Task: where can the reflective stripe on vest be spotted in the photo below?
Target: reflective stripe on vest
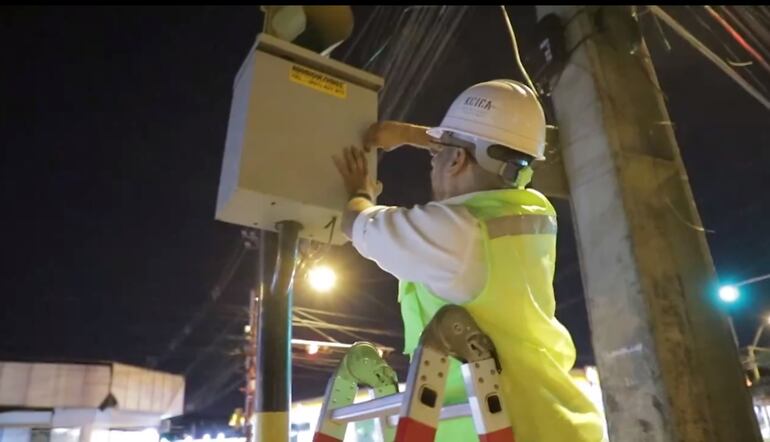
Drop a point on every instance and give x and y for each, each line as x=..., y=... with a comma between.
x=521, y=225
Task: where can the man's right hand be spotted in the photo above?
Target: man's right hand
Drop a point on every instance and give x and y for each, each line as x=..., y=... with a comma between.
x=389, y=135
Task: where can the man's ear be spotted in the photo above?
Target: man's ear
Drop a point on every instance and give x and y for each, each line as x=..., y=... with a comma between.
x=459, y=161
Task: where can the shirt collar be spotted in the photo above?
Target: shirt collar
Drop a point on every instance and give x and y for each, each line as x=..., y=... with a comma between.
x=459, y=199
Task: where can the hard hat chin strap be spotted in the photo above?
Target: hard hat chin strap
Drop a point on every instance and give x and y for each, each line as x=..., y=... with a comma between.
x=516, y=174
x=486, y=162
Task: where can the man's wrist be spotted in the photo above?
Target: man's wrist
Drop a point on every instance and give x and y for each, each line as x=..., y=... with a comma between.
x=362, y=194
x=357, y=203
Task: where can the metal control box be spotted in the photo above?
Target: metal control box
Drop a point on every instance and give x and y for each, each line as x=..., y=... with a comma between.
x=292, y=109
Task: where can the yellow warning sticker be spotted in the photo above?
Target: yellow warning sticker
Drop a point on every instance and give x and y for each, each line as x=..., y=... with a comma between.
x=318, y=81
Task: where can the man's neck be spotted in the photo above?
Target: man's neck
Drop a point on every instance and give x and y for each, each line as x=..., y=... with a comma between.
x=468, y=190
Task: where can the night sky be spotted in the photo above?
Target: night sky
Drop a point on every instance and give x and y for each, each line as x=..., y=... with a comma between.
x=112, y=127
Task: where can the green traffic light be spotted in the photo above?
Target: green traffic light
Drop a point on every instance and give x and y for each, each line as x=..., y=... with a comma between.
x=729, y=294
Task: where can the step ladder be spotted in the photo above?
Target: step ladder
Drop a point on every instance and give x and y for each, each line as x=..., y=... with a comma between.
x=452, y=333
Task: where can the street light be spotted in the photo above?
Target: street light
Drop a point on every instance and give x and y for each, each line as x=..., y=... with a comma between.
x=321, y=278
x=729, y=294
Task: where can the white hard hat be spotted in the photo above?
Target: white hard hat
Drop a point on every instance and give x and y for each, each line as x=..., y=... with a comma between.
x=503, y=112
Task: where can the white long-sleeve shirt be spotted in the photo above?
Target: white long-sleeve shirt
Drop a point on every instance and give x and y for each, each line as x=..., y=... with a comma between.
x=438, y=244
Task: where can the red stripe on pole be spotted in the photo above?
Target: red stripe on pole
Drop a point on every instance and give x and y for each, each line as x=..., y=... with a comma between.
x=320, y=437
x=410, y=430
x=504, y=435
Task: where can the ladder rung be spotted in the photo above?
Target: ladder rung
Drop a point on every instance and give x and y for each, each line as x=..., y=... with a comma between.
x=455, y=411
x=383, y=406
x=388, y=406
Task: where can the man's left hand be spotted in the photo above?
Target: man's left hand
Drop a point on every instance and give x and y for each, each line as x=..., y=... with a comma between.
x=354, y=169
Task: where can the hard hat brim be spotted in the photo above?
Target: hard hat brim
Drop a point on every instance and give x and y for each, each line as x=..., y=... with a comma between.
x=437, y=132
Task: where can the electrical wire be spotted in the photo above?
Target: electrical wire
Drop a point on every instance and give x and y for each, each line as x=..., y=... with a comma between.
x=390, y=37
x=730, y=52
x=222, y=335
x=305, y=322
x=224, y=372
x=428, y=41
x=299, y=322
x=402, y=59
x=737, y=37
x=754, y=280
x=721, y=64
x=316, y=329
x=397, y=52
x=756, y=23
x=413, y=49
x=333, y=314
x=516, y=50
x=387, y=23
x=662, y=34
x=360, y=34
x=227, y=274
x=448, y=34
x=569, y=54
x=739, y=22
x=735, y=61
x=764, y=12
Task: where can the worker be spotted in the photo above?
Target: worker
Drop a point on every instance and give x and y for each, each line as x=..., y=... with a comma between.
x=486, y=243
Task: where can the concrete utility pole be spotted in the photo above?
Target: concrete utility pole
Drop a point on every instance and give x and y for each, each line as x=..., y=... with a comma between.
x=668, y=367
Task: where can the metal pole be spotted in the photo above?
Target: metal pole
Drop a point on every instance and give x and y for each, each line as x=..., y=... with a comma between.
x=251, y=364
x=753, y=351
x=758, y=335
x=732, y=330
x=273, y=393
x=754, y=366
x=752, y=280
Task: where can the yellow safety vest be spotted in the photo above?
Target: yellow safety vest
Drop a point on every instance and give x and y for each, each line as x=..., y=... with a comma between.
x=516, y=309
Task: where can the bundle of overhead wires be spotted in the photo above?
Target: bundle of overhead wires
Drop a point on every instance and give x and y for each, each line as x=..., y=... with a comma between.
x=403, y=45
x=743, y=32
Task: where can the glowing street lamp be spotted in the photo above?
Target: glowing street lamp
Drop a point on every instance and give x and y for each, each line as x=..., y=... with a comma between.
x=729, y=294
x=321, y=278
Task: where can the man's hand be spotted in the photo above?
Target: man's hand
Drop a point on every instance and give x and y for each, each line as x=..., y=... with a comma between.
x=354, y=169
x=389, y=135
